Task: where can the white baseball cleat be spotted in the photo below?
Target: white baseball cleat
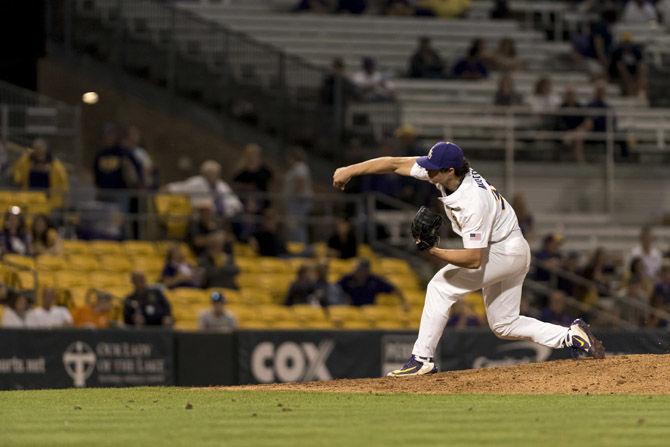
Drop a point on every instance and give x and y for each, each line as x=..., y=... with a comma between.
x=415, y=366
x=580, y=338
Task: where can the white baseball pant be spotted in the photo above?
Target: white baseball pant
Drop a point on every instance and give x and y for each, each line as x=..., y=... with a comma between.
x=501, y=276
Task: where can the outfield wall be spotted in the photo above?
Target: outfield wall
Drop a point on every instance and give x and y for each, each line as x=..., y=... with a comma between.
x=33, y=359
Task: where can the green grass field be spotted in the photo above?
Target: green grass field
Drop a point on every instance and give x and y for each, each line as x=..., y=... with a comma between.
x=173, y=416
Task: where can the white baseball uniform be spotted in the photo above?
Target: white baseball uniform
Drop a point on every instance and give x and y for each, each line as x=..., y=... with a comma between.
x=482, y=217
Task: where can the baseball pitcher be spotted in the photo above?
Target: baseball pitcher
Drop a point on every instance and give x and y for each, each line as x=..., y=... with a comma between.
x=495, y=256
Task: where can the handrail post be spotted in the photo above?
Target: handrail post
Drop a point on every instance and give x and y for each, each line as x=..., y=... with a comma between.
x=609, y=163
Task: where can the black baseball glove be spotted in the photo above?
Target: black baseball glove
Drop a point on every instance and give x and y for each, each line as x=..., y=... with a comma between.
x=426, y=228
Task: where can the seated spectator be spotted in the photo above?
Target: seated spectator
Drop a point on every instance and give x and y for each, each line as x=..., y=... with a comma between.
x=337, y=82
x=442, y=8
x=637, y=286
x=48, y=315
x=96, y=315
x=343, y=243
x=594, y=48
x=590, y=123
x=253, y=177
x=426, y=63
x=648, y=253
x=371, y=84
x=178, y=272
x=208, y=185
x=219, y=266
x=115, y=166
x=362, y=286
x=594, y=270
x=146, y=306
x=523, y=214
x=351, y=6
x=461, y=316
x=268, y=240
x=500, y=10
x=473, y=66
x=302, y=289
x=217, y=318
x=639, y=11
x=149, y=173
x=543, y=99
x=566, y=285
x=317, y=6
x=326, y=292
x=660, y=297
x=550, y=256
x=505, y=57
x=16, y=310
x=45, y=238
x=555, y=312
x=203, y=223
x=506, y=94
x=569, y=119
x=627, y=67
x=15, y=236
x=37, y=168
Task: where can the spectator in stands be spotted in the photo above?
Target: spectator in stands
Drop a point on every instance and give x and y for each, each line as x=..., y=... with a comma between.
x=253, y=177
x=506, y=94
x=351, y=6
x=663, y=10
x=146, y=306
x=549, y=256
x=569, y=119
x=15, y=235
x=16, y=310
x=462, y=315
x=317, y=6
x=149, y=173
x=594, y=48
x=301, y=290
x=500, y=10
x=45, y=238
x=595, y=269
x=523, y=215
x=219, y=266
x=407, y=141
x=555, y=312
x=638, y=286
x=203, y=223
x=566, y=285
x=37, y=168
x=505, y=57
x=371, y=84
x=297, y=193
x=326, y=292
x=649, y=254
x=661, y=294
x=362, y=286
x=591, y=122
x=268, y=240
x=217, y=318
x=399, y=8
x=337, y=82
x=96, y=315
x=426, y=63
x=209, y=185
x=627, y=67
x=48, y=315
x=115, y=167
x=178, y=272
x=442, y=8
x=543, y=99
x=639, y=11
x=343, y=243
x=473, y=66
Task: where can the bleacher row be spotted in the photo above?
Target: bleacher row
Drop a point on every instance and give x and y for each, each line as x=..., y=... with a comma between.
x=106, y=266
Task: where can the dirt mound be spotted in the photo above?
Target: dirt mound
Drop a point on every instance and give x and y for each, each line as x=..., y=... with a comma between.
x=627, y=374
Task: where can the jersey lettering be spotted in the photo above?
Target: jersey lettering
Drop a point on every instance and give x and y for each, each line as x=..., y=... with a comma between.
x=478, y=179
x=498, y=196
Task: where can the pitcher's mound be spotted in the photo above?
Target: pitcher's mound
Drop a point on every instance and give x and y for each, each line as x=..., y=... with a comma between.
x=640, y=374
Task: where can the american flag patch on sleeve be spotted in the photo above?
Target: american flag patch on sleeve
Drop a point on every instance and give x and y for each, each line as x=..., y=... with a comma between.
x=475, y=237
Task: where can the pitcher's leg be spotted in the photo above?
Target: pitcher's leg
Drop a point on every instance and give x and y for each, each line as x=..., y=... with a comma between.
x=502, y=302
x=440, y=296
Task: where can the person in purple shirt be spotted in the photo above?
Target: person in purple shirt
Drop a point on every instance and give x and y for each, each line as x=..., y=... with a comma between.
x=473, y=66
x=555, y=311
x=362, y=286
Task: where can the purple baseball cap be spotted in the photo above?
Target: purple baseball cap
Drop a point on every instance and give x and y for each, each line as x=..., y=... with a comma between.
x=442, y=155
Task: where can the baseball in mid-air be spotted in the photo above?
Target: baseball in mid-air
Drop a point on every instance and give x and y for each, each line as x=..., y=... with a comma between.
x=90, y=98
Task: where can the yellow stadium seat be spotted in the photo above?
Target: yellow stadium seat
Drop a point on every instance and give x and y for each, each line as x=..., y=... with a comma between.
x=109, y=248
x=243, y=251
x=341, y=316
x=254, y=324
x=186, y=325
x=242, y=312
x=120, y=292
x=174, y=211
x=354, y=324
x=274, y=265
x=115, y=263
x=19, y=260
x=342, y=266
x=76, y=247
x=392, y=324
x=394, y=266
x=101, y=279
x=140, y=248
x=25, y=279
x=274, y=313
x=51, y=262
x=295, y=248
x=325, y=324
x=46, y=278
x=187, y=295
x=2, y=309
x=415, y=298
x=83, y=262
x=365, y=251
x=68, y=279
x=307, y=313
x=379, y=313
